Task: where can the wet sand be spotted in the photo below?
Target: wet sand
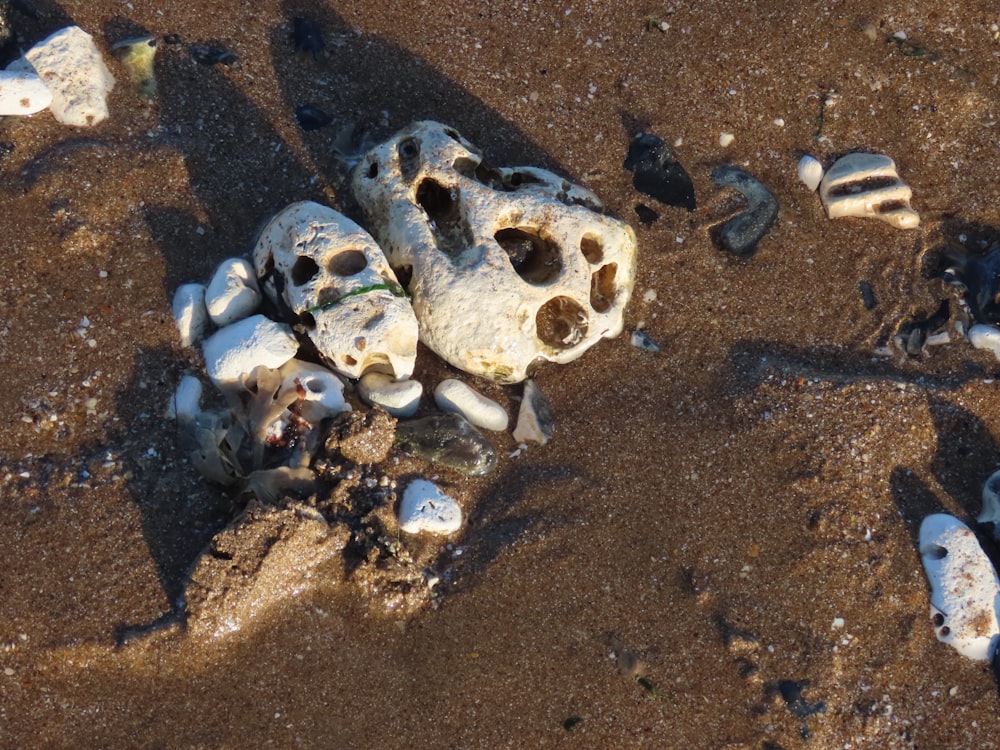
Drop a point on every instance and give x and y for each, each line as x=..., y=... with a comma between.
x=668, y=570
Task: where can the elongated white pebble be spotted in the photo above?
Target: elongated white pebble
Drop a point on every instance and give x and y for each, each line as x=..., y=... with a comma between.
x=983, y=336
x=190, y=315
x=400, y=398
x=22, y=93
x=185, y=405
x=810, y=172
x=232, y=294
x=455, y=396
x=424, y=507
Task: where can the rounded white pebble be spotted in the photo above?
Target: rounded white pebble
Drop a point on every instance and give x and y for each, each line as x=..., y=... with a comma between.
x=185, y=406
x=22, y=92
x=398, y=397
x=189, y=312
x=984, y=336
x=232, y=353
x=455, y=396
x=810, y=172
x=725, y=139
x=424, y=507
x=232, y=294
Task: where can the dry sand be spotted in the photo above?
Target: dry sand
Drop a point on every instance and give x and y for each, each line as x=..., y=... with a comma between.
x=680, y=551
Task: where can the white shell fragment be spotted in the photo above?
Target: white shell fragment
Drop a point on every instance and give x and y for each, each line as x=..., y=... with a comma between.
x=990, y=512
x=455, y=396
x=73, y=69
x=22, y=92
x=867, y=185
x=233, y=352
x=534, y=419
x=190, y=314
x=983, y=336
x=424, y=507
x=509, y=266
x=321, y=391
x=185, y=405
x=232, y=293
x=810, y=172
x=337, y=281
x=964, y=587
x=400, y=398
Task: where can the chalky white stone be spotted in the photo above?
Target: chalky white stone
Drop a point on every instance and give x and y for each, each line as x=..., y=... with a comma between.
x=321, y=391
x=185, y=405
x=232, y=353
x=190, y=314
x=71, y=66
x=509, y=266
x=337, y=281
x=867, y=185
x=22, y=92
x=232, y=293
x=964, y=587
x=984, y=336
x=455, y=396
x=810, y=172
x=401, y=398
x=425, y=507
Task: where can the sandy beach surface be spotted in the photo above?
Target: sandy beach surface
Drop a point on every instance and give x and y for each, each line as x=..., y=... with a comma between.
x=717, y=547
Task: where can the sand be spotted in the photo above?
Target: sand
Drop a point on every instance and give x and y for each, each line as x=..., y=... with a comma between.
x=716, y=549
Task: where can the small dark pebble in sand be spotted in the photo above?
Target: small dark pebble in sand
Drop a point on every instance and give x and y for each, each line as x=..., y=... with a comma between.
x=646, y=215
x=311, y=118
x=741, y=233
x=307, y=37
x=449, y=440
x=656, y=173
x=212, y=54
x=867, y=295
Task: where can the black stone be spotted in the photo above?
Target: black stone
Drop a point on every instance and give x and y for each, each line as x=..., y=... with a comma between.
x=741, y=233
x=656, y=173
x=311, y=118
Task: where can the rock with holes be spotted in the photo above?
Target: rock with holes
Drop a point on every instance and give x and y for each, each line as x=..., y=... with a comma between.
x=868, y=185
x=964, y=588
x=509, y=266
x=328, y=274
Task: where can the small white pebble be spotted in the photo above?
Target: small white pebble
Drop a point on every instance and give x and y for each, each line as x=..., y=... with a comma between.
x=725, y=139
x=779, y=122
x=455, y=396
x=838, y=623
x=810, y=172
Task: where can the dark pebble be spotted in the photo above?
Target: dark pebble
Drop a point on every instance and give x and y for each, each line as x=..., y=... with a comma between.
x=867, y=295
x=213, y=54
x=741, y=233
x=450, y=440
x=646, y=215
x=311, y=118
x=656, y=173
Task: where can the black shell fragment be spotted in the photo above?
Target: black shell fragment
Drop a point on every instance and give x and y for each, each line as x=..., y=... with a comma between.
x=311, y=118
x=656, y=173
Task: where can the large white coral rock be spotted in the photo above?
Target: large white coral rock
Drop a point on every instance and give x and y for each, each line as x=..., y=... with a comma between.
x=509, y=266
x=331, y=274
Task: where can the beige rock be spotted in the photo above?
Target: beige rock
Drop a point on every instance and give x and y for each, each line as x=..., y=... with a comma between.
x=867, y=185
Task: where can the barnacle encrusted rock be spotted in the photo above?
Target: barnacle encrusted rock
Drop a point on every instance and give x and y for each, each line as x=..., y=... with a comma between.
x=867, y=185
x=509, y=266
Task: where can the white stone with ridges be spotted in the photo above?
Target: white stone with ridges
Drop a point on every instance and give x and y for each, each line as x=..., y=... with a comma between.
x=425, y=507
x=232, y=293
x=232, y=353
x=400, y=398
x=190, y=314
x=455, y=396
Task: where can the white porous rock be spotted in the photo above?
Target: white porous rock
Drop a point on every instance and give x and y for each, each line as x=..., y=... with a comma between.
x=22, y=92
x=185, y=404
x=73, y=69
x=321, y=391
x=400, y=398
x=964, y=587
x=455, y=396
x=867, y=185
x=190, y=314
x=509, y=266
x=232, y=293
x=990, y=512
x=334, y=277
x=425, y=507
x=984, y=336
x=232, y=353
x=810, y=172
x=534, y=418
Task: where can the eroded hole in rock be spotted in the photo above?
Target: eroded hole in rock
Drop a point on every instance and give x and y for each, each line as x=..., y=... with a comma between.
x=304, y=270
x=592, y=248
x=602, y=287
x=347, y=263
x=935, y=552
x=404, y=275
x=408, y=151
x=889, y=206
x=307, y=320
x=561, y=323
x=442, y=207
x=865, y=185
x=938, y=619
x=372, y=172
x=348, y=360
x=479, y=171
x=536, y=259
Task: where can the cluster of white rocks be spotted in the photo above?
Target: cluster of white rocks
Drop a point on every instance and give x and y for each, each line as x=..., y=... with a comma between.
x=507, y=268
x=64, y=73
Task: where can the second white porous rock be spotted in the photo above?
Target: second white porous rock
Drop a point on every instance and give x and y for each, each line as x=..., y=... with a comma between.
x=72, y=67
x=867, y=185
x=425, y=507
x=333, y=276
x=964, y=587
x=22, y=92
x=510, y=266
x=232, y=293
x=233, y=352
x=455, y=396
x=320, y=390
x=401, y=398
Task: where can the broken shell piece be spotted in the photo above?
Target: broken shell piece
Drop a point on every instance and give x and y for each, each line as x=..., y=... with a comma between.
x=320, y=390
x=424, y=507
x=964, y=587
x=868, y=185
x=810, y=172
x=190, y=314
x=332, y=276
x=534, y=419
x=455, y=396
x=137, y=55
x=22, y=93
x=233, y=352
x=232, y=293
x=400, y=398
x=991, y=503
x=509, y=266
x=73, y=69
